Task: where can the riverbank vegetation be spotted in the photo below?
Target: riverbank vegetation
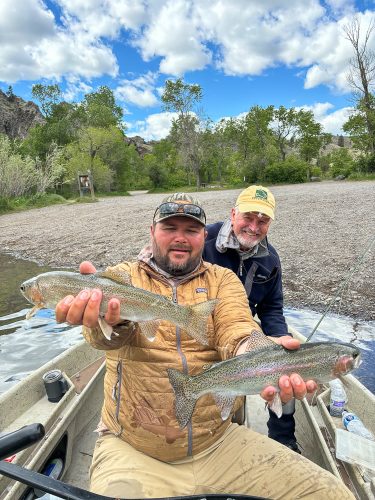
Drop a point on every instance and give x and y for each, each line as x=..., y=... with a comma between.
x=266, y=145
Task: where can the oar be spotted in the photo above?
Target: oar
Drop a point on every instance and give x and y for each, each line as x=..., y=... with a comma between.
x=16, y=441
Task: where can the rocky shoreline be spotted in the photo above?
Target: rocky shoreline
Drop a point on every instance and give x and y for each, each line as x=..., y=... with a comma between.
x=320, y=231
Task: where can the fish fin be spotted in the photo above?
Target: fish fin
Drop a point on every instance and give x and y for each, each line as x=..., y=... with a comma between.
x=258, y=340
x=105, y=327
x=149, y=329
x=225, y=403
x=197, y=322
x=184, y=399
x=276, y=405
x=34, y=310
x=116, y=275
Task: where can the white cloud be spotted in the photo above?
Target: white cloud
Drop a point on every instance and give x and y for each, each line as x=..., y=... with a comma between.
x=154, y=127
x=332, y=121
x=330, y=59
x=34, y=46
x=238, y=37
x=75, y=88
x=140, y=91
x=175, y=35
x=72, y=55
x=253, y=36
x=105, y=18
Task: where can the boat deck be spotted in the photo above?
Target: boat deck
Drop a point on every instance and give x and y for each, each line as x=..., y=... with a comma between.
x=70, y=423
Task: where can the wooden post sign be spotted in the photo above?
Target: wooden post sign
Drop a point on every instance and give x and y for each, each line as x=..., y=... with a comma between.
x=85, y=184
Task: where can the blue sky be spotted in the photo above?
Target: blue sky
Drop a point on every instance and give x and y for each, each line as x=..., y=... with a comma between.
x=242, y=53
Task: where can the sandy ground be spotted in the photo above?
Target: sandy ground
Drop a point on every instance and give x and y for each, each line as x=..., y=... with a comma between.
x=320, y=231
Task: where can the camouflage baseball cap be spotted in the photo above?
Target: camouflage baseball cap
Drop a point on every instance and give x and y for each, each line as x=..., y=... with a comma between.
x=180, y=204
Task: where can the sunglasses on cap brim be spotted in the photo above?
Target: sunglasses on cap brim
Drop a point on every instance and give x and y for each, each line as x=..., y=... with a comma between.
x=170, y=208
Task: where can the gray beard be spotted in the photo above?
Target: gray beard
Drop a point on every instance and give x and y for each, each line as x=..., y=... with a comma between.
x=245, y=244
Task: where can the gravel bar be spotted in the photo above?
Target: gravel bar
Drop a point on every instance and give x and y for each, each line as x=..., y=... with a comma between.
x=321, y=230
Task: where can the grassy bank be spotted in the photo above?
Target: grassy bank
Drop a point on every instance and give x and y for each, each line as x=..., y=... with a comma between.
x=27, y=202
x=38, y=201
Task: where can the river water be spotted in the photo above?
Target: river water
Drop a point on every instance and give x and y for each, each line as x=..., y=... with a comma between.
x=25, y=345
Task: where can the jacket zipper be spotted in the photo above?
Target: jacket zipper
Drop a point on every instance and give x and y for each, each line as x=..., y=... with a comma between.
x=239, y=272
x=116, y=394
x=185, y=370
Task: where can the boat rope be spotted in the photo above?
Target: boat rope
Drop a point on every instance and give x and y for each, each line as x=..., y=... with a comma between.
x=343, y=285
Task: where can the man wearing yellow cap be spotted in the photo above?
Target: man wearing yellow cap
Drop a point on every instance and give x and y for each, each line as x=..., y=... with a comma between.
x=240, y=244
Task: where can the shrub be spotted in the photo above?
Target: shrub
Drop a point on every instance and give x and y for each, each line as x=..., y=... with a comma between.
x=315, y=172
x=292, y=170
x=5, y=205
x=365, y=164
x=17, y=175
x=341, y=163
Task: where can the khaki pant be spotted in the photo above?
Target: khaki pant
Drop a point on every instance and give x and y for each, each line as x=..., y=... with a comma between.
x=242, y=462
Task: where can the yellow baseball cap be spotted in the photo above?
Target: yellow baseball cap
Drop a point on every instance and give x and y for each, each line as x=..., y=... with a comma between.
x=257, y=199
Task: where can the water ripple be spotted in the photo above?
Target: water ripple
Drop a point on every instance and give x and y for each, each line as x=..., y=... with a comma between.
x=26, y=345
x=32, y=343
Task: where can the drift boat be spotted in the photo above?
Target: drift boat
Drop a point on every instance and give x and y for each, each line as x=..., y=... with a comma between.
x=70, y=423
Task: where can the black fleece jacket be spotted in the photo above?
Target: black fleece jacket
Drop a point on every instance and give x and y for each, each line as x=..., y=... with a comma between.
x=261, y=277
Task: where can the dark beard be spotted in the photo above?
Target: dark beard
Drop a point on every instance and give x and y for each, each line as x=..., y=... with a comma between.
x=166, y=265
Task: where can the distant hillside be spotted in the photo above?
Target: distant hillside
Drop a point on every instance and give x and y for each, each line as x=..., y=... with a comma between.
x=17, y=116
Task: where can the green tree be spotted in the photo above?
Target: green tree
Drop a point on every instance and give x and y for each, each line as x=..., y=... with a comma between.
x=100, y=109
x=138, y=178
x=48, y=96
x=222, y=147
x=357, y=126
x=256, y=141
x=361, y=76
x=79, y=161
x=117, y=155
x=96, y=141
x=104, y=153
x=341, y=162
x=182, y=98
x=310, y=137
x=165, y=161
x=60, y=128
x=284, y=126
x=10, y=94
x=157, y=172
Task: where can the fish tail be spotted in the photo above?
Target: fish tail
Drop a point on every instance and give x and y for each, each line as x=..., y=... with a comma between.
x=184, y=403
x=197, y=322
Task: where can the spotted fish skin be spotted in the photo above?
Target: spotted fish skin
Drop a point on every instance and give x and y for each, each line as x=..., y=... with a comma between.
x=138, y=305
x=251, y=372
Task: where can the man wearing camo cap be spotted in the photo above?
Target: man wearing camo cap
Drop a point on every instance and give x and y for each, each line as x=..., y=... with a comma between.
x=141, y=451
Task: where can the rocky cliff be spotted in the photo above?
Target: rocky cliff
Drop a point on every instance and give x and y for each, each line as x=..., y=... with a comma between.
x=17, y=116
x=141, y=146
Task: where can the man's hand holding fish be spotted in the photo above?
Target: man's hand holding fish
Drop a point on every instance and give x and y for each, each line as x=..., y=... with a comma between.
x=84, y=309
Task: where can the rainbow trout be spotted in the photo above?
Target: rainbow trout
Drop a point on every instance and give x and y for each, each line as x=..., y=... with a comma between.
x=138, y=305
x=251, y=372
